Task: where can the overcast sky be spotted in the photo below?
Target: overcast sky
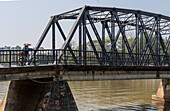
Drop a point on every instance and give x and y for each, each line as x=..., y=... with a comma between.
x=24, y=20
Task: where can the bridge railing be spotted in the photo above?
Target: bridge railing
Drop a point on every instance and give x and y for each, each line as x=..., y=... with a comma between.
x=12, y=58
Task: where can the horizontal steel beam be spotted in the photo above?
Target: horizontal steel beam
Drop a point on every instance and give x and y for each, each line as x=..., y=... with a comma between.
x=126, y=11
x=78, y=72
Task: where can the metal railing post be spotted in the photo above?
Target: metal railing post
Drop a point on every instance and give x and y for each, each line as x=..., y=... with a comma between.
x=9, y=58
x=56, y=57
x=34, y=57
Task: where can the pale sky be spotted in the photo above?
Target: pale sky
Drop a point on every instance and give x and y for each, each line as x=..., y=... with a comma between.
x=24, y=20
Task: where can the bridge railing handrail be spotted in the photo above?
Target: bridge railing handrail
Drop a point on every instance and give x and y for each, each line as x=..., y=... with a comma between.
x=69, y=50
x=11, y=58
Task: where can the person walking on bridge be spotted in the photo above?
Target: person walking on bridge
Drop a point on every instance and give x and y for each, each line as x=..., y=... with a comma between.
x=26, y=50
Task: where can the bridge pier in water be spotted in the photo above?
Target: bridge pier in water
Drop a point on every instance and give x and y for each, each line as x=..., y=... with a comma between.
x=28, y=95
x=163, y=92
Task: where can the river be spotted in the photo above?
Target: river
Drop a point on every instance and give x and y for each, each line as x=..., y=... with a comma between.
x=115, y=95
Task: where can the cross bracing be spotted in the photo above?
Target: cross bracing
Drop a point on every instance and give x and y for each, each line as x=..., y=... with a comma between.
x=151, y=33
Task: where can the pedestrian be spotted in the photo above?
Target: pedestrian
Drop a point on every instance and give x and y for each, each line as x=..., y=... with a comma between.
x=26, y=50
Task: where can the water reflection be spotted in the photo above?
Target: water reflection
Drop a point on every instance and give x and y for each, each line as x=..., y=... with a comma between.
x=162, y=106
x=114, y=95
x=147, y=107
x=3, y=88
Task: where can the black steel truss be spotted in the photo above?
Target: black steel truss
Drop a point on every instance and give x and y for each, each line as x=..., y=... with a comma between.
x=150, y=31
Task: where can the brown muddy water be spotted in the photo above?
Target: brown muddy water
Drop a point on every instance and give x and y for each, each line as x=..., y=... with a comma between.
x=115, y=95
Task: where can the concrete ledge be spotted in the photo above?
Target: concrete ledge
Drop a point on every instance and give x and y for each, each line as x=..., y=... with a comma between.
x=80, y=72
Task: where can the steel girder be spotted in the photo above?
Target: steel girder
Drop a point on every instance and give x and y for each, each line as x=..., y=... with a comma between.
x=150, y=32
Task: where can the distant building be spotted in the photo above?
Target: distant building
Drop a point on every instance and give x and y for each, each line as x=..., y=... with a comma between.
x=5, y=48
x=13, y=48
x=1, y=48
x=16, y=48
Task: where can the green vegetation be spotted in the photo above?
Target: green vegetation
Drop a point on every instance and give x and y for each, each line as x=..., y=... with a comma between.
x=119, y=45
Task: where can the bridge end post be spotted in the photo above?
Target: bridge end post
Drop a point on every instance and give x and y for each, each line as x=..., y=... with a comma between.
x=163, y=92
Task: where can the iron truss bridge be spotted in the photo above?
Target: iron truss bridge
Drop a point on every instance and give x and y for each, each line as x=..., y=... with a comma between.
x=150, y=45
x=107, y=39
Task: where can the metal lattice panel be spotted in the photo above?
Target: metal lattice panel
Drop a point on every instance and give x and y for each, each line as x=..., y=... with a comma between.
x=149, y=29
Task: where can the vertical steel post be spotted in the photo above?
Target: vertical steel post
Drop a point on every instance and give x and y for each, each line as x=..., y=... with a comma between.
x=9, y=58
x=56, y=52
x=84, y=39
x=103, y=40
x=141, y=46
x=137, y=40
x=53, y=39
x=158, y=40
x=113, y=38
x=141, y=42
x=34, y=57
x=123, y=49
x=65, y=57
x=80, y=40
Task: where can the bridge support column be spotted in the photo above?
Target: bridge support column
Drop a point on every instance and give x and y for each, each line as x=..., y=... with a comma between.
x=61, y=98
x=163, y=92
x=24, y=95
x=39, y=95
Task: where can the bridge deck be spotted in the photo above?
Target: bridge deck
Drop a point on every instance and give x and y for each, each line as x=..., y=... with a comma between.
x=80, y=72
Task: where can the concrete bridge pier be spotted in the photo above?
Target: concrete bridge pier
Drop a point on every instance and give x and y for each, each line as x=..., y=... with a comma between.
x=163, y=92
x=61, y=98
x=38, y=95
